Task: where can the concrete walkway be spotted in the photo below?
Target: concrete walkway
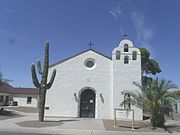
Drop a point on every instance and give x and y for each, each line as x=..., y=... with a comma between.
x=71, y=126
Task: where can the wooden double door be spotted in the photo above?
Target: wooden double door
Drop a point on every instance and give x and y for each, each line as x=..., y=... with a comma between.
x=87, y=104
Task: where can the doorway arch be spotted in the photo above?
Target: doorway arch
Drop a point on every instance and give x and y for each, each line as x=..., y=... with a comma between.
x=87, y=103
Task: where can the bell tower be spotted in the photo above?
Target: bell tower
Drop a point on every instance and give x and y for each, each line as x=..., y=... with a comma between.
x=126, y=70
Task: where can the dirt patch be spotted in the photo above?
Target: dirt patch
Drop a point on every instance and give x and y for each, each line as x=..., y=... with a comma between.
x=37, y=124
x=24, y=109
x=140, y=126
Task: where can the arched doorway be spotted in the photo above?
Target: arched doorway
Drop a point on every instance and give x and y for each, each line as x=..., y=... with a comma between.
x=87, y=104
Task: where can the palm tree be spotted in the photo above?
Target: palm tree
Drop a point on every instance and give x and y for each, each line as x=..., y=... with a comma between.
x=155, y=98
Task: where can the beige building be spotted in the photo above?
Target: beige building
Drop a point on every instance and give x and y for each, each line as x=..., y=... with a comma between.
x=14, y=96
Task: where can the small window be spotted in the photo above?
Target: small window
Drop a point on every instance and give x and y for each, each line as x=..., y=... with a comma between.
x=46, y=108
x=89, y=64
x=118, y=54
x=126, y=59
x=134, y=55
x=126, y=48
x=1, y=98
x=29, y=100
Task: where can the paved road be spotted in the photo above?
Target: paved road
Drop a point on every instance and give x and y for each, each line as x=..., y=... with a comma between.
x=9, y=133
x=81, y=127
x=90, y=133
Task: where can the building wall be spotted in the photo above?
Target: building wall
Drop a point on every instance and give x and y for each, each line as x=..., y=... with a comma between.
x=109, y=78
x=22, y=100
x=125, y=74
x=72, y=78
x=178, y=106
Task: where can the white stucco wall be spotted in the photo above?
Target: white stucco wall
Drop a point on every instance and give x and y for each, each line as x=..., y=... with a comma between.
x=22, y=100
x=125, y=74
x=109, y=78
x=178, y=106
x=72, y=77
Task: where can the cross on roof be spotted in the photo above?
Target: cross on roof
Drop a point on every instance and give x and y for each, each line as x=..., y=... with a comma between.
x=125, y=35
x=90, y=45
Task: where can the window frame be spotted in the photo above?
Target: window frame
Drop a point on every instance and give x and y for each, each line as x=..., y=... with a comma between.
x=118, y=55
x=126, y=48
x=29, y=100
x=134, y=55
x=126, y=59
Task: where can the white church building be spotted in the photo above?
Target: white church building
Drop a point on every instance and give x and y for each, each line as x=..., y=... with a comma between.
x=90, y=84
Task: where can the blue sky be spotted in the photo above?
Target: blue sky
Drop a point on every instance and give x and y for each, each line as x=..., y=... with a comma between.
x=69, y=25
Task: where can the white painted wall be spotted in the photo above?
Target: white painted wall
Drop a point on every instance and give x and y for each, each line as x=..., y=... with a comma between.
x=72, y=76
x=22, y=100
x=109, y=77
x=178, y=105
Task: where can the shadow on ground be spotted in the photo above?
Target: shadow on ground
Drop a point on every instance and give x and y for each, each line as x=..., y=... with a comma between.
x=172, y=128
x=6, y=114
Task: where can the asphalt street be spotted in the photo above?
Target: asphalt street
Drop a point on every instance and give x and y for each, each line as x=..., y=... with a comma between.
x=10, y=133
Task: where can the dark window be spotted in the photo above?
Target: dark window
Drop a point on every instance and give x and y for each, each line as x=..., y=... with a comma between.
x=126, y=59
x=90, y=64
x=1, y=99
x=126, y=48
x=46, y=108
x=118, y=54
x=134, y=55
x=29, y=100
x=7, y=99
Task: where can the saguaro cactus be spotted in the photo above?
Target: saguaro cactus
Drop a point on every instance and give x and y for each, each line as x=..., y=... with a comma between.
x=43, y=85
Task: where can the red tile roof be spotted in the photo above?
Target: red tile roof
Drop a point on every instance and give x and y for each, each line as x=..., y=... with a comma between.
x=6, y=88
x=28, y=91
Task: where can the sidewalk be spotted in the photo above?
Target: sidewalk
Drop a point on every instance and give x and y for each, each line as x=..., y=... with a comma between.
x=70, y=126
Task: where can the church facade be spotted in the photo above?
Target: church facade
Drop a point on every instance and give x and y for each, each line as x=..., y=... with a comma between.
x=90, y=84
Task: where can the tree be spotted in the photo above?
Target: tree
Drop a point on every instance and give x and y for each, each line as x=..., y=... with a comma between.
x=3, y=80
x=43, y=85
x=155, y=98
x=148, y=65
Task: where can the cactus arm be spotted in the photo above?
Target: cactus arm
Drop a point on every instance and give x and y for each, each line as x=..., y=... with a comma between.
x=34, y=76
x=39, y=66
x=51, y=80
x=46, y=64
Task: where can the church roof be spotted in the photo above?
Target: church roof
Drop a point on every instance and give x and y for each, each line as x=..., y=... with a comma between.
x=79, y=54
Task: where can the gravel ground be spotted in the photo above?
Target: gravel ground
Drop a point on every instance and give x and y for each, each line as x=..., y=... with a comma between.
x=141, y=126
